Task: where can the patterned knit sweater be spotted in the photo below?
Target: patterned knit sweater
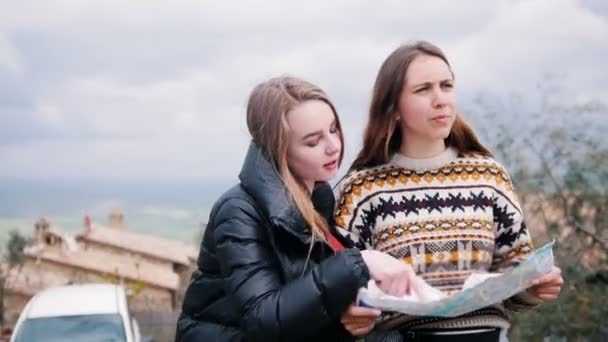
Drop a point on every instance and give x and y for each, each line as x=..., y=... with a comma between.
x=447, y=216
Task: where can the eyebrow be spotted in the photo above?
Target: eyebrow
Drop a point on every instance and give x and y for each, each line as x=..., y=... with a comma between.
x=429, y=83
x=317, y=133
x=313, y=134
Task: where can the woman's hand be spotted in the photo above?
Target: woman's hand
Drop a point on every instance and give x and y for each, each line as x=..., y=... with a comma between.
x=393, y=276
x=548, y=287
x=359, y=320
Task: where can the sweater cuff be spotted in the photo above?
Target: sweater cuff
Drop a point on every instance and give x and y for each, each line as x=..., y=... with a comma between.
x=522, y=301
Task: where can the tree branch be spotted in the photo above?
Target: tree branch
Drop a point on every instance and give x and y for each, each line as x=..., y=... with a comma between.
x=564, y=199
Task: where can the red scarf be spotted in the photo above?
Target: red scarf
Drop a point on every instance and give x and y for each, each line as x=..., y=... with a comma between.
x=334, y=243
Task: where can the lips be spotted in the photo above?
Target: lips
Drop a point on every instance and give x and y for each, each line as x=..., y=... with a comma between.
x=440, y=117
x=331, y=165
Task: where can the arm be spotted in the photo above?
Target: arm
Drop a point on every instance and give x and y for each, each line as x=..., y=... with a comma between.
x=351, y=216
x=513, y=243
x=271, y=309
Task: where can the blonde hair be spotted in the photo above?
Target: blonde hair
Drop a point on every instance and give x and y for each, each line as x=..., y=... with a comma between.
x=267, y=109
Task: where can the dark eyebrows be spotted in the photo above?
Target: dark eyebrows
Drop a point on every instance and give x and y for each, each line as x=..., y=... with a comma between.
x=420, y=85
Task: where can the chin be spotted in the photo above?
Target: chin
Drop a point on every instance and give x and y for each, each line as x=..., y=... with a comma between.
x=444, y=133
x=436, y=136
x=327, y=176
x=325, y=179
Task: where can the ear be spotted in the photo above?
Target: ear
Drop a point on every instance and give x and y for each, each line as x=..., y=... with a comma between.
x=396, y=115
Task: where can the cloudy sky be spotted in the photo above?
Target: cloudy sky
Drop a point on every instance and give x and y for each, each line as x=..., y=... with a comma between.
x=150, y=89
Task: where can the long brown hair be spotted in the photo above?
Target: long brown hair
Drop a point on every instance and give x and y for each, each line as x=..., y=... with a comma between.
x=267, y=109
x=382, y=136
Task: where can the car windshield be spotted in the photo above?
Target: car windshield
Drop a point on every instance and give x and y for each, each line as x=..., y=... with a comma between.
x=107, y=328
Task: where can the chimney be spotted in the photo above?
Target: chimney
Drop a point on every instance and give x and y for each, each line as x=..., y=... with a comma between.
x=116, y=218
x=41, y=228
x=87, y=224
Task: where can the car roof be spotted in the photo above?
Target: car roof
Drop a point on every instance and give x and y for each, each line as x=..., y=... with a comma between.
x=74, y=300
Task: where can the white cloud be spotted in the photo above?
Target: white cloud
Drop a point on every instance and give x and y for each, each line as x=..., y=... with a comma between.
x=153, y=89
x=519, y=47
x=9, y=56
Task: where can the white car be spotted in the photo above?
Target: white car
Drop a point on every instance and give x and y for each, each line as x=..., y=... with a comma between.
x=89, y=312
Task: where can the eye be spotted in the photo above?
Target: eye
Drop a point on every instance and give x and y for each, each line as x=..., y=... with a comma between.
x=312, y=143
x=420, y=90
x=334, y=129
x=447, y=85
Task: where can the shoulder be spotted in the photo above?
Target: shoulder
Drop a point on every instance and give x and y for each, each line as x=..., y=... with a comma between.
x=358, y=178
x=486, y=168
x=481, y=163
x=234, y=204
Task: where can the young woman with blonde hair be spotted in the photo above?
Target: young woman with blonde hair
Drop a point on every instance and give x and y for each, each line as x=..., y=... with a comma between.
x=270, y=266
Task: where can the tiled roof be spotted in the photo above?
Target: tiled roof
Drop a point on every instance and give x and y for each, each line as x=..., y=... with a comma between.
x=173, y=251
x=110, y=264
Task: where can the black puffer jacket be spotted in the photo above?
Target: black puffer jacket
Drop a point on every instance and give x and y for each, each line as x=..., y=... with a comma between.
x=251, y=284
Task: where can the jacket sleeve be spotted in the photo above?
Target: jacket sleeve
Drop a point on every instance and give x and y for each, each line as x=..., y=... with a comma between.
x=271, y=309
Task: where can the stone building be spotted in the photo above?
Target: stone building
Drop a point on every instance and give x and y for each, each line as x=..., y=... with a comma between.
x=154, y=270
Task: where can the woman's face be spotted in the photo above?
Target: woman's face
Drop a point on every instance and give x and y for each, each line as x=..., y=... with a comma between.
x=426, y=104
x=314, y=143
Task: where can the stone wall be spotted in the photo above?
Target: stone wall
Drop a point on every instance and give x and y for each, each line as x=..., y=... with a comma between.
x=35, y=276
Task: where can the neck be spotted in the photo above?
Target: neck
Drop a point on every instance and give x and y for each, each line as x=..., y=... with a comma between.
x=310, y=185
x=415, y=147
x=424, y=164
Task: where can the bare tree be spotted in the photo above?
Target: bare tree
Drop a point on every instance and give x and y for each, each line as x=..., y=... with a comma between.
x=557, y=154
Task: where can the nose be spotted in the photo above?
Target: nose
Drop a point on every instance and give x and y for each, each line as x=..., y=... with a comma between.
x=334, y=145
x=439, y=98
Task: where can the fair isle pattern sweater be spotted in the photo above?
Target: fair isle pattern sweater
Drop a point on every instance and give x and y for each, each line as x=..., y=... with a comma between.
x=447, y=216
